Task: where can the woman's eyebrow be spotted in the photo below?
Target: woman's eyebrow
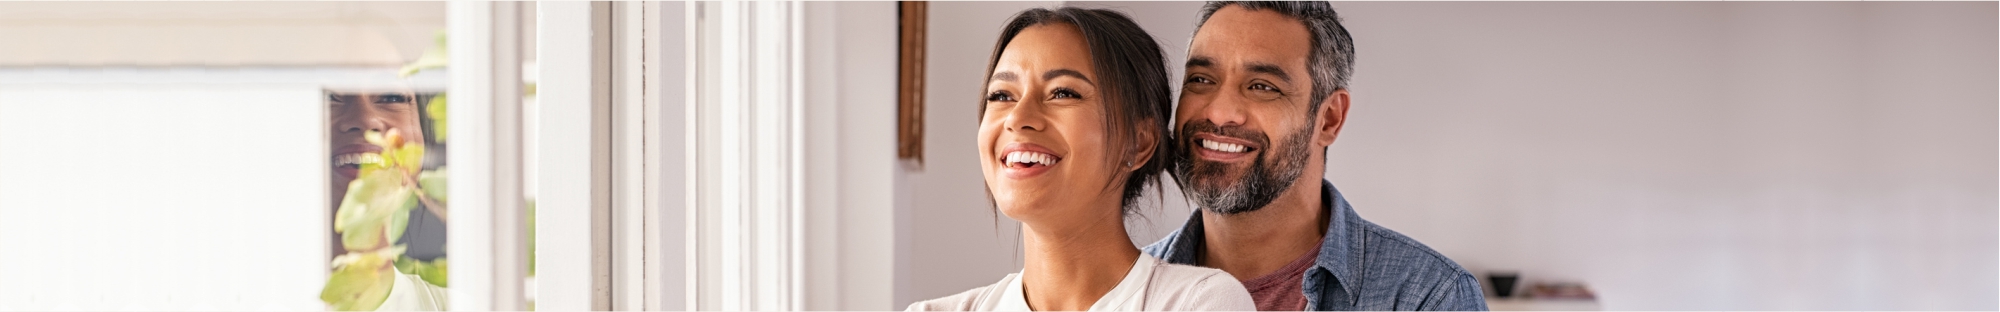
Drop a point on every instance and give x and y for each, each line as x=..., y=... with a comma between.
x=1004, y=76
x=1060, y=72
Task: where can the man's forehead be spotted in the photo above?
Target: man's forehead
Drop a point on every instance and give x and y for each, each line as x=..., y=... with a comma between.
x=1235, y=35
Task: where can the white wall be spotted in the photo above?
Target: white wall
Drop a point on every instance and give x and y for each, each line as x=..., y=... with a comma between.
x=1687, y=155
x=178, y=196
x=1671, y=155
x=850, y=101
x=290, y=33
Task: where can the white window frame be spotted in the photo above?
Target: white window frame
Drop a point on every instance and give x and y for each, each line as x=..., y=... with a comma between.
x=488, y=248
x=725, y=167
x=794, y=165
x=574, y=198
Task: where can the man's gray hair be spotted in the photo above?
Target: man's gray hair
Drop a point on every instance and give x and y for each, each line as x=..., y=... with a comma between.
x=1331, y=61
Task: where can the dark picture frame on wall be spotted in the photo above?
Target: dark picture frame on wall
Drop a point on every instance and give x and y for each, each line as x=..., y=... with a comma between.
x=913, y=16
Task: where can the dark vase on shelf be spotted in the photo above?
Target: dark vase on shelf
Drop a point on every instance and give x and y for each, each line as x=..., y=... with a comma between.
x=1503, y=283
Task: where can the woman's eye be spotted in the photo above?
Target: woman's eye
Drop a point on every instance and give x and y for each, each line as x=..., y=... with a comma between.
x=391, y=98
x=1065, y=94
x=1000, y=97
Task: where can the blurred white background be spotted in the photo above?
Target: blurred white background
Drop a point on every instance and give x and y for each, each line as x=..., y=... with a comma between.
x=172, y=155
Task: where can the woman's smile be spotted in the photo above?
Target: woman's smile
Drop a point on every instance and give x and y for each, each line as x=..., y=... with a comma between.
x=1022, y=160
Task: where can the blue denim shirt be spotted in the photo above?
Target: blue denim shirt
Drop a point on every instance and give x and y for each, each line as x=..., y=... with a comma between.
x=1361, y=266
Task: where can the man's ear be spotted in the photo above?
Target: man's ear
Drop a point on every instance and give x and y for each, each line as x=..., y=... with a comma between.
x=1331, y=115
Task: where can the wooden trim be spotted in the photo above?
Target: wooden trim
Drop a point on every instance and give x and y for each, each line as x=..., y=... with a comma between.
x=914, y=17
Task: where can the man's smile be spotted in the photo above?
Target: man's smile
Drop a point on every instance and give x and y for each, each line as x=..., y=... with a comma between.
x=1218, y=148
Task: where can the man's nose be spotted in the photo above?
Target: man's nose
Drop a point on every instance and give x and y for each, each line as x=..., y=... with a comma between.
x=1226, y=109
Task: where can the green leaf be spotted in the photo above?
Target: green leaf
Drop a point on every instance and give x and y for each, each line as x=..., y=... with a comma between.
x=410, y=157
x=433, y=184
x=376, y=138
x=531, y=237
x=437, y=110
x=436, y=57
x=430, y=271
x=373, y=205
x=360, y=285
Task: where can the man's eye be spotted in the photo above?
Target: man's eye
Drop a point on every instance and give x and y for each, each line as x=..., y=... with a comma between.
x=1001, y=96
x=1198, y=79
x=1265, y=92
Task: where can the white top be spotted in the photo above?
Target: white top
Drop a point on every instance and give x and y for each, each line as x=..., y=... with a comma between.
x=1151, y=285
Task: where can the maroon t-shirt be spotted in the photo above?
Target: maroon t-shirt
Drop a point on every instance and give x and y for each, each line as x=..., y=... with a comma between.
x=1283, y=290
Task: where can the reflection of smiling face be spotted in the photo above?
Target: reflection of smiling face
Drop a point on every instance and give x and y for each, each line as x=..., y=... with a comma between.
x=1042, y=135
x=354, y=114
x=1244, y=125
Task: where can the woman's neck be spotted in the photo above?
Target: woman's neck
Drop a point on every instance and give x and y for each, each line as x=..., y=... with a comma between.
x=1067, y=267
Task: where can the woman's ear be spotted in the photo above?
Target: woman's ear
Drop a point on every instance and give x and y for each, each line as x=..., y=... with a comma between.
x=1142, y=147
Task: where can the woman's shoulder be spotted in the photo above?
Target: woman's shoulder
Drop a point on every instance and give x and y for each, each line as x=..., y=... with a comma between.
x=1177, y=287
x=976, y=299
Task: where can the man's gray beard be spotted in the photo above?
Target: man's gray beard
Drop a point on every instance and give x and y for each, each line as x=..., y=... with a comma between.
x=1259, y=187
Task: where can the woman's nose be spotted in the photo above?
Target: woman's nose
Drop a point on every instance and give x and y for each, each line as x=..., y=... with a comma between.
x=360, y=120
x=1026, y=115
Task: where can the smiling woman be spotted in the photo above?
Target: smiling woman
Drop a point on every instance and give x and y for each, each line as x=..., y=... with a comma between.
x=1071, y=132
x=388, y=193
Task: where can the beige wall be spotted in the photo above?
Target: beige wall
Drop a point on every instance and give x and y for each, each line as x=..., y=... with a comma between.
x=1687, y=155
x=235, y=33
x=1673, y=156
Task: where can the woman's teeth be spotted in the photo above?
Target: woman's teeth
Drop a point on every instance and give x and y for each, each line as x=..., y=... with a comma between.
x=356, y=159
x=1224, y=147
x=1031, y=158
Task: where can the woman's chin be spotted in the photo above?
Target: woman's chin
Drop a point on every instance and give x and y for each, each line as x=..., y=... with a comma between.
x=1020, y=207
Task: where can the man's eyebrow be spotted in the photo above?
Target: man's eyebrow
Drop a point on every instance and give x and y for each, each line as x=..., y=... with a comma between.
x=1267, y=68
x=1059, y=72
x=1200, y=61
x=1004, y=76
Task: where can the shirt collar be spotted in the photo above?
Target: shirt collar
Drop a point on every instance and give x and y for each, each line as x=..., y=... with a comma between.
x=1338, y=249
x=1128, y=295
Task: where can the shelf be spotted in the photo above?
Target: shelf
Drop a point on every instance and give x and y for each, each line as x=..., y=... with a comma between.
x=1522, y=304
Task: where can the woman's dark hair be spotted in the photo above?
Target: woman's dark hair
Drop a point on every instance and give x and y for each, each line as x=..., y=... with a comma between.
x=1132, y=72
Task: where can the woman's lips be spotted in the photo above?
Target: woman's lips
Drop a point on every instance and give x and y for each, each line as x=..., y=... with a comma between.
x=347, y=159
x=1026, y=160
